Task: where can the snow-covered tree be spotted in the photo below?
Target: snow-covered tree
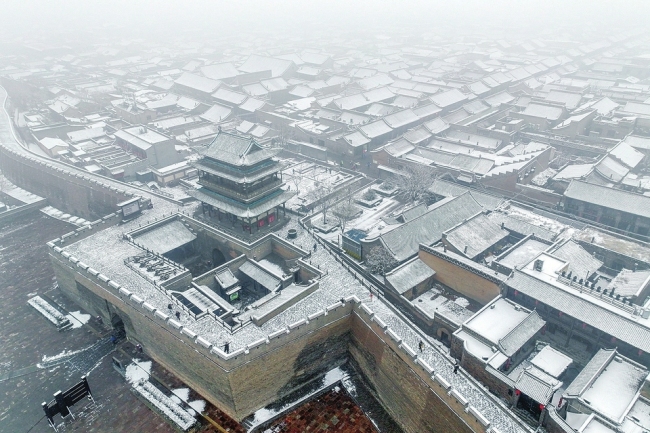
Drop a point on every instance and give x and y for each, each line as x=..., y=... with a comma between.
x=296, y=179
x=379, y=261
x=413, y=182
x=344, y=212
x=322, y=196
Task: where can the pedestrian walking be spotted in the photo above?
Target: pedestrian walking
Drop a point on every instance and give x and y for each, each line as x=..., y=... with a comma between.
x=421, y=345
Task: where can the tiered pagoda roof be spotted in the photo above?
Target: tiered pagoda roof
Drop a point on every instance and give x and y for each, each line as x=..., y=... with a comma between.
x=242, y=161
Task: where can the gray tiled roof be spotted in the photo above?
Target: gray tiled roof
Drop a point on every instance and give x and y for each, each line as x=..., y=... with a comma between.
x=450, y=189
x=517, y=225
x=414, y=212
x=241, y=209
x=534, y=387
x=417, y=135
x=225, y=278
x=476, y=235
x=257, y=63
x=403, y=241
x=445, y=99
x=580, y=261
x=635, y=204
x=516, y=338
x=408, y=276
x=630, y=283
x=611, y=169
x=615, y=324
x=590, y=372
x=197, y=82
x=237, y=150
x=548, y=112
x=165, y=238
x=254, y=271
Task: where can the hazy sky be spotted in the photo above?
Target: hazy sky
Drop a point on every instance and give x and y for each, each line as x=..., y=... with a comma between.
x=167, y=17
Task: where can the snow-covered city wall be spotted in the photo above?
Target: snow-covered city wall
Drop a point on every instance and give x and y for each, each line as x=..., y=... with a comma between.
x=120, y=295
x=459, y=392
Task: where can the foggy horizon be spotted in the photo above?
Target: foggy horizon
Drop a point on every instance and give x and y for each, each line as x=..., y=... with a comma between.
x=171, y=20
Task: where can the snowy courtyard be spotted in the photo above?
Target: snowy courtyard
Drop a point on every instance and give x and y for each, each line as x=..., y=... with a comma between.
x=307, y=177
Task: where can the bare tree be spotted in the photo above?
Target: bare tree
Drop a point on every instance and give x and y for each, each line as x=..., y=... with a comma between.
x=345, y=211
x=379, y=261
x=322, y=198
x=283, y=137
x=296, y=179
x=414, y=181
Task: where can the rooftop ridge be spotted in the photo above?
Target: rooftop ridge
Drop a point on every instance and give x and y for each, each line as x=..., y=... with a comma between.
x=532, y=315
x=449, y=258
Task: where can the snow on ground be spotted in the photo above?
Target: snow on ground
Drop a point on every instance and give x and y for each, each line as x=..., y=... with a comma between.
x=304, y=176
x=77, y=319
x=138, y=371
x=178, y=192
x=166, y=405
x=266, y=413
x=21, y=194
x=180, y=394
x=462, y=302
x=370, y=220
x=63, y=355
x=197, y=405
x=271, y=266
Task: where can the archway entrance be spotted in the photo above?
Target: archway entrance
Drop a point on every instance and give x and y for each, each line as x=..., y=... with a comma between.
x=118, y=327
x=218, y=258
x=443, y=336
x=529, y=405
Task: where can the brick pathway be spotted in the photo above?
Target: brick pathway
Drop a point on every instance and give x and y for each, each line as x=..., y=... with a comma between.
x=333, y=411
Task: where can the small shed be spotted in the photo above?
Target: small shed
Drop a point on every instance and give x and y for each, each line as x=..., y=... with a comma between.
x=351, y=242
